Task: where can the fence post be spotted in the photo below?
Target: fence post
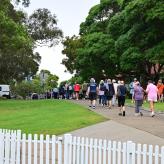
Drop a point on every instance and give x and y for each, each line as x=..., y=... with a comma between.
x=66, y=147
x=129, y=152
x=60, y=139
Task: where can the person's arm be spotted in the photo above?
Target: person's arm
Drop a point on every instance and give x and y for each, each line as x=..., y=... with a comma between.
x=147, y=89
x=88, y=90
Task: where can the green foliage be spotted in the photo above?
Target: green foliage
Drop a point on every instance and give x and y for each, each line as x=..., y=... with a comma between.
x=121, y=37
x=42, y=28
x=24, y=89
x=18, y=38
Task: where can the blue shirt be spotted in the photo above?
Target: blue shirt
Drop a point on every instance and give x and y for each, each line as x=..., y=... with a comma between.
x=93, y=87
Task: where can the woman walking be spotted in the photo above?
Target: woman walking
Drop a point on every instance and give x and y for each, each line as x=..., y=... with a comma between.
x=152, y=92
x=138, y=97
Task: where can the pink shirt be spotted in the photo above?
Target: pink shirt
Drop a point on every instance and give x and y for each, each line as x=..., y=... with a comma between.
x=152, y=91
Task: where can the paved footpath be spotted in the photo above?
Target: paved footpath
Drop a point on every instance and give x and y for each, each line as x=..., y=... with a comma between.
x=145, y=129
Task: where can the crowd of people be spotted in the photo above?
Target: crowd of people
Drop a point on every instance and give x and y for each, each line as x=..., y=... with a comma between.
x=112, y=93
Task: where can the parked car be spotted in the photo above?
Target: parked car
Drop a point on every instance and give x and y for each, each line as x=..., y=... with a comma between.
x=5, y=90
x=34, y=96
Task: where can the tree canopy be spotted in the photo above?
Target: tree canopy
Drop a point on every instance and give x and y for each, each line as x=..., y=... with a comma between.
x=119, y=37
x=19, y=36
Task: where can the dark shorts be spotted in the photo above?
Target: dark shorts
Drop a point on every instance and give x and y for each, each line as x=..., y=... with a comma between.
x=121, y=101
x=109, y=97
x=92, y=96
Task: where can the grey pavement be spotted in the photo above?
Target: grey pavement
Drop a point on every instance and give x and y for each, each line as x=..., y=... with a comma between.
x=145, y=129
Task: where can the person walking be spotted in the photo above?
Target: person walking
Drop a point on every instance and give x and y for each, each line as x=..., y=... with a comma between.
x=121, y=93
x=138, y=98
x=92, y=93
x=152, y=92
x=102, y=89
x=84, y=89
x=131, y=87
x=77, y=90
x=115, y=84
x=160, y=87
x=110, y=93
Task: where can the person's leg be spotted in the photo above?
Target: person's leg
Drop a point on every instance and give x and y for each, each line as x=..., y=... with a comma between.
x=136, y=106
x=113, y=100
x=100, y=99
x=103, y=100
x=77, y=95
x=93, y=104
x=119, y=105
x=123, y=105
x=110, y=103
x=152, y=108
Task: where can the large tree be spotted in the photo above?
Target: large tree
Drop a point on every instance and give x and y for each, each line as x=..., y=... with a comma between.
x=18, y=37
x=121, y=37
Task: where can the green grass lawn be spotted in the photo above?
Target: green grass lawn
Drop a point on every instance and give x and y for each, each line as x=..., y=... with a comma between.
x=45, y=116
x=158, y=106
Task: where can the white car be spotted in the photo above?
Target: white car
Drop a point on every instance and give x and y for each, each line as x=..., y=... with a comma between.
x=4, y=90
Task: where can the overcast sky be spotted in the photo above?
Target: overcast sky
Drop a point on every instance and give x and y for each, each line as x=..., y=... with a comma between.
x=70, y=13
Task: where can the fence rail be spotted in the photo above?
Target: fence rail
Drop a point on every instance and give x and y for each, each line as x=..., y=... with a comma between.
x=17, y=148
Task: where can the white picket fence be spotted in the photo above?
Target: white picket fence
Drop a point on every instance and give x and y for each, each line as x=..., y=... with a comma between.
x=17, y=148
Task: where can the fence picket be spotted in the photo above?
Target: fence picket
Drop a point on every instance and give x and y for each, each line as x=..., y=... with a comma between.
x=47, y=148
x=162, y=155
x=138, y=153
x=13, y=148
x=74, y=151
x=124, y=153
x=41, y=148
x=109, y=151
x=133, y=153
x=86, y=150
x=29, y=148
x=7, y=148
x=53, y=155
x=2, y=147
x=114, y=152
x=82, y=151
x=119, y=153
x=104, y=151
x=60, y=150
x=100, y=151
x=18, y=147
x=156, y=154
x=70, y=150
x=150, y=154
x=95, y=151
x=23, y=148
x=78, y=151
x=144, y=153
x=91, y=151
x=129, y=152
x=35, y=148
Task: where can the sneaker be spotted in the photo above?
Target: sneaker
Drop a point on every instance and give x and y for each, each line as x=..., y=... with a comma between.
x=93, y=107
x=120, y=114
x=141, y=114
x=90, y=106
x=152, y=115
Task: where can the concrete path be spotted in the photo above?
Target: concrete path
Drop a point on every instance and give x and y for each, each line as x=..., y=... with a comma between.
x=145, y=129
